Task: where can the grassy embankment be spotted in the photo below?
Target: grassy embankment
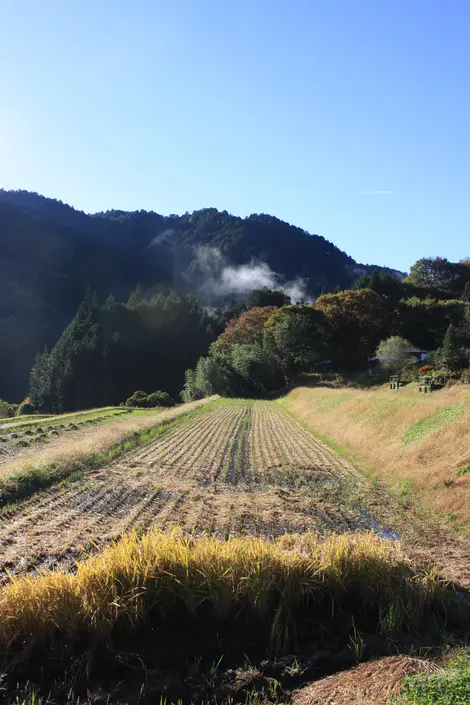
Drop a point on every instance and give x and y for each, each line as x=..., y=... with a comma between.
x=86, y=450
x=419, y=444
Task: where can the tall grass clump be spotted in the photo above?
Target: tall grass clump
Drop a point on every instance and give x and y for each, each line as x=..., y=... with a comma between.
x=162, y=583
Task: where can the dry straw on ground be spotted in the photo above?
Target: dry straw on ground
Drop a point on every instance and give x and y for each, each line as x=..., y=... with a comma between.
x=236, y=467
x=373, y=683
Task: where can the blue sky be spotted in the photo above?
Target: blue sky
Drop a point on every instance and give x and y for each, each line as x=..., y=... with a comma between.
x=349, y=118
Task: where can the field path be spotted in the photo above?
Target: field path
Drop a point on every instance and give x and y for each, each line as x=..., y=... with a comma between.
x=235, y=467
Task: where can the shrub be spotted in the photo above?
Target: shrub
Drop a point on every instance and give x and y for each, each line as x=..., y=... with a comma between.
x=26, y=408
x=369, y=379
x=160, y=399
x=137, y=399
x=5, y=410
x=410, y=371
x=463, y=470
x=466, y=376
x=147, y=401
x=426, y=369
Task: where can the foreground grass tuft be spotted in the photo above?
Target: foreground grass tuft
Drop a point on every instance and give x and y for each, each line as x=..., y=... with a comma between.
x=161, y=580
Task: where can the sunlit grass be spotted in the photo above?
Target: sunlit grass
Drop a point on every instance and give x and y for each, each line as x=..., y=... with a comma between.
x=25, y=422
x=399, y=436
x=448, y=687
x=151, y=581
x=440, y=418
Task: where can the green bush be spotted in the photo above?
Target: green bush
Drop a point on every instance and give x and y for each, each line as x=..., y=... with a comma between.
x=160, y=399
x=141, y=399
x=5, y=410
x=369, y=379
x=26, y=409
x=410, y=370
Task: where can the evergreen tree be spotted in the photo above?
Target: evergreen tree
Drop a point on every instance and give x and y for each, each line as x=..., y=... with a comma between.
x=136, y=297
x=106, y=353
x=466, y=292
x=451, y=356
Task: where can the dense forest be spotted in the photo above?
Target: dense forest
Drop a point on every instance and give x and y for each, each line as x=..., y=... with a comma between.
x=109, y=351
x=114, y=351
x=51, y=253
x=96, y=308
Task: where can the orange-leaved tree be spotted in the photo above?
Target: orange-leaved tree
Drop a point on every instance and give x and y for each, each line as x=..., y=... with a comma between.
x=247, y=329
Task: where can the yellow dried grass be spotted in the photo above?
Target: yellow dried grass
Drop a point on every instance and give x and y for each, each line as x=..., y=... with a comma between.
x=136, y=580
x=370, y=425
x=373, y=683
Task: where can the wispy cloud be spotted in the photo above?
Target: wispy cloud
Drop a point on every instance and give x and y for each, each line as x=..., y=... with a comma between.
x=289, y=193
x=374, y=192
x=218, y=278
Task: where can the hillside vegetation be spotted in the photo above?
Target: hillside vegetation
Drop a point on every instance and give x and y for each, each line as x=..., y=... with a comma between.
x=50, y=253
x=418, y=444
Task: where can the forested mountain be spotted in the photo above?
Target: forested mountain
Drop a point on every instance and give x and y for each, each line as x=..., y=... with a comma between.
x=50, y=253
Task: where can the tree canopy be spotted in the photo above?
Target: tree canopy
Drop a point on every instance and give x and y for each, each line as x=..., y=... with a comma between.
x=246, y=329
x=50, y=252
x=393, y=353
x=358, y=320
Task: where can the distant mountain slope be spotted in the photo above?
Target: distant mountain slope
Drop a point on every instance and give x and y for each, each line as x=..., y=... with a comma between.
x=50, y=252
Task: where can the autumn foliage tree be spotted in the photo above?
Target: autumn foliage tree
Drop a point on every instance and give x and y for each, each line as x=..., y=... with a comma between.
x=440, y=274
x=358, y=320
x=247, y=329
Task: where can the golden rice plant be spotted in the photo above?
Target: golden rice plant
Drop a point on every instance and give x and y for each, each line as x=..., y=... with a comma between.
x=138, y=582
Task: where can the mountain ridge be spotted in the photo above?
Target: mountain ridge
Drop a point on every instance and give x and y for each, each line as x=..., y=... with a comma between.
x=51, y=252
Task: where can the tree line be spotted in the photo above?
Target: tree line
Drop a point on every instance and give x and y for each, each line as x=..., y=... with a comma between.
x=264, y=348
x=166, y=341
x=109, y=351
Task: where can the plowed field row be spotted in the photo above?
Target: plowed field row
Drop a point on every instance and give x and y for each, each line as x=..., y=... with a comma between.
x=239, y=467
x=14, y=440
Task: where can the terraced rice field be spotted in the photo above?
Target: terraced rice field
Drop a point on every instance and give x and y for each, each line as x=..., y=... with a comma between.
x=18, y=434
x=237, y=467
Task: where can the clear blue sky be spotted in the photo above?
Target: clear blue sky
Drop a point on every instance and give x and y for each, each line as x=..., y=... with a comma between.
x=349, y=118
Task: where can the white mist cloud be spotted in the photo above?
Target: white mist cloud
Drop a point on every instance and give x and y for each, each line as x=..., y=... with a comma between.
x=222, y=279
